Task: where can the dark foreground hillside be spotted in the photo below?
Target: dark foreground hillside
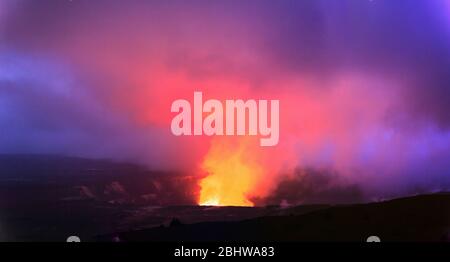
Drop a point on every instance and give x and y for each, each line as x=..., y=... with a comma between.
x=48, y=198
x=419, y=218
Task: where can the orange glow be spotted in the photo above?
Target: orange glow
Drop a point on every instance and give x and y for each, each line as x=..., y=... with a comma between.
x=231, y=176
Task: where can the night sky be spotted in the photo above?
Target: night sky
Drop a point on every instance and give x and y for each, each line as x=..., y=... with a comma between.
x=364, y=86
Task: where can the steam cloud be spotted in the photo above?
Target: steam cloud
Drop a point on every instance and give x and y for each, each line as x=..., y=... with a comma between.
x=363, y=86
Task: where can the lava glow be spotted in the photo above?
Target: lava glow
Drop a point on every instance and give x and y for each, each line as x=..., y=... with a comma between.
x=231, y=176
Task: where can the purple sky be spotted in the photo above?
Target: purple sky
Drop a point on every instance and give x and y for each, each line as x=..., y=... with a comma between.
x=365, y=84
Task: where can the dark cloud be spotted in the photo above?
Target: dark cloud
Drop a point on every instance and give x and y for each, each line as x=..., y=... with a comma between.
x=314, y=186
